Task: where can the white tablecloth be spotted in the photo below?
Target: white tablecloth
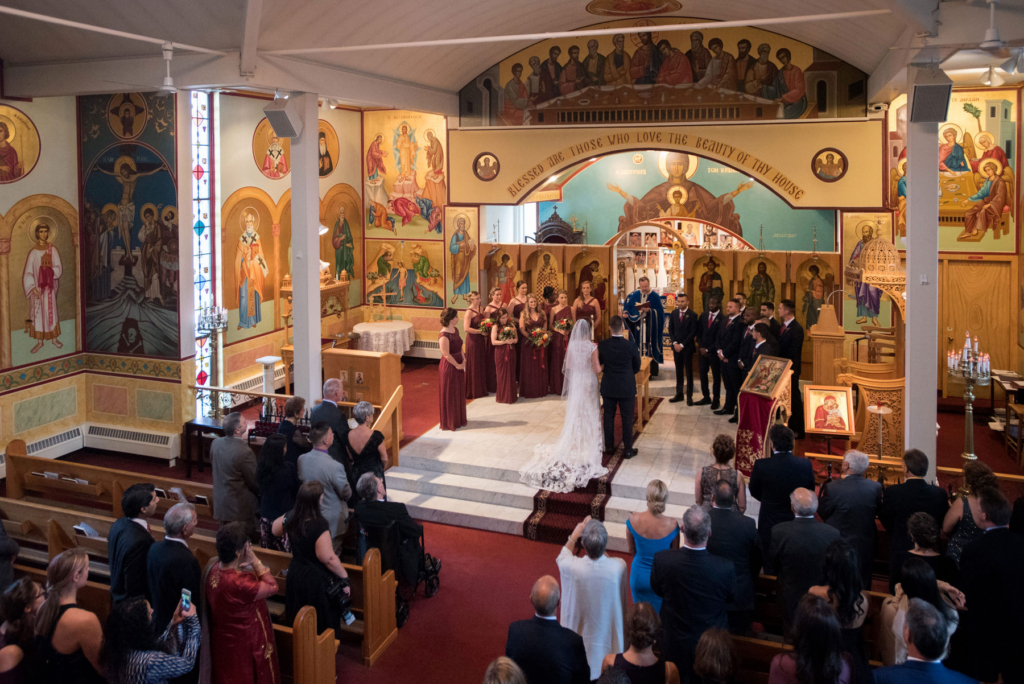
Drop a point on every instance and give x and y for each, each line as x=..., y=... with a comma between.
x=386, y=336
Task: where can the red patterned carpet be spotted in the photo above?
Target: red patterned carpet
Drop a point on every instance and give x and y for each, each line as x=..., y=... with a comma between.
x=555, y=515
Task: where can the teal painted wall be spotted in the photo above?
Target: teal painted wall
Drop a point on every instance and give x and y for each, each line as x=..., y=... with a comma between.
x=587, y=197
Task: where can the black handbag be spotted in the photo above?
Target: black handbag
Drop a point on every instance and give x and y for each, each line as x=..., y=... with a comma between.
x=336, y=593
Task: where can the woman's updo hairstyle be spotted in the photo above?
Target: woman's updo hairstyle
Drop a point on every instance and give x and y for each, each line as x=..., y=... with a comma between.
x=447, y=316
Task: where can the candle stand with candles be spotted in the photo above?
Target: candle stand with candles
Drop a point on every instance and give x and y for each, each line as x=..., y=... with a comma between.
x=973, y=369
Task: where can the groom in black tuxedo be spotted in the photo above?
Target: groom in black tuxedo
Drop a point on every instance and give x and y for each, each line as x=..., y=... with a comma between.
x=620, y=362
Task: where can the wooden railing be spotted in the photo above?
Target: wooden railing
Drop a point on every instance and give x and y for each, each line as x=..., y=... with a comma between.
x=389, y=422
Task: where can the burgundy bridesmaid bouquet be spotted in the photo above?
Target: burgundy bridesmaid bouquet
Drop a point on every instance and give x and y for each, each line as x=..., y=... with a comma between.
x=563, y=325
x=506, y=333
x=539, y=337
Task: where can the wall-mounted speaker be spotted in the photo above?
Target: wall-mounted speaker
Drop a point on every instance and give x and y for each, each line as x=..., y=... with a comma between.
x=929, y=99
x=284, y=117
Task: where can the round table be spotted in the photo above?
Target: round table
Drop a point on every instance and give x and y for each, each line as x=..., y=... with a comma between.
x=395, y=337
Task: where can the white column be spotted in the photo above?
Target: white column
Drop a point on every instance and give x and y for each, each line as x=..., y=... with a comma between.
x=922, y=339
x=306, y=251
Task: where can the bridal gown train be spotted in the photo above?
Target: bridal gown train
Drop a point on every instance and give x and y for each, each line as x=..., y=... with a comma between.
x=575, y=458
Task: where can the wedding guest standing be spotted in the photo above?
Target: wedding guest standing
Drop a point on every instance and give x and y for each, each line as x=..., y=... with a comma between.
x=297, y=443
x=533, y=376
x=452, y=387
x=476, y=349
x=490, y=311
x=647, y=533
x=561, y=311
x=505, y=339
x=587, y=306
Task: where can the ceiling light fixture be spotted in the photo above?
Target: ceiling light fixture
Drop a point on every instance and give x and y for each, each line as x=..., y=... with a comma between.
x=1014, y=65
x=991, y=78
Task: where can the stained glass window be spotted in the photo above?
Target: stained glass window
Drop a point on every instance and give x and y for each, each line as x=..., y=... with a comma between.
x=202, y=234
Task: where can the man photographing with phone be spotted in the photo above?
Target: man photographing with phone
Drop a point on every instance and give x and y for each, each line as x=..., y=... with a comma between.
x=173, y=569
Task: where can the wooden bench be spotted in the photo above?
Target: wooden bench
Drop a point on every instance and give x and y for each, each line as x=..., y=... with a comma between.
x=304, y=655
x=768, y=612
x=103, y=486
x=373, y=591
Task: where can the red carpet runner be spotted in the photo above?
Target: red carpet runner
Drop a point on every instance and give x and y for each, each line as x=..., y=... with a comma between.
x=555, y=515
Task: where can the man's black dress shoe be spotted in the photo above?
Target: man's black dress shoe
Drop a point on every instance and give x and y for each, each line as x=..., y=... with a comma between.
x=676, y=399
x=703, y=402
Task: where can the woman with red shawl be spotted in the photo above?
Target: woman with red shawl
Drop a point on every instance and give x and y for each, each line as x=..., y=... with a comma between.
x=236, y=623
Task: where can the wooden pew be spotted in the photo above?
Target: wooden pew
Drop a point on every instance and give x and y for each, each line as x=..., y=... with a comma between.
x=105, y=485
x=373, y=591
x=756, y=658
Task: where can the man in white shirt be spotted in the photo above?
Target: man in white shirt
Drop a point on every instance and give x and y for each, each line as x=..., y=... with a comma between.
x=594, y=586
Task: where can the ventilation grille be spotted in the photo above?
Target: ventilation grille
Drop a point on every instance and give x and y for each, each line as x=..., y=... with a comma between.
x=278, y=373
x=44, y=444
x=426, y=344
x=254, y=383
x=128, y=436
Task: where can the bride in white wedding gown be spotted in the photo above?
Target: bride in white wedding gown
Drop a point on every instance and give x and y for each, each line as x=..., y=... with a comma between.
x=575, y=458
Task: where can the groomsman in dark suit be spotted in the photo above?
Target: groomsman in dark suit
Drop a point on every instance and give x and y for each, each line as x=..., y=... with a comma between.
x=707, y=345
x=746, y=361
x=763, y=343
x=730, y=338
x=768, y=311
x=682, y=330
x=620, y=362
x=791, y=345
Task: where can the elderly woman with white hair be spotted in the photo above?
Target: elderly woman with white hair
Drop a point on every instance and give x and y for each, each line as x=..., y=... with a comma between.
x=593, y=593
x=365, y=446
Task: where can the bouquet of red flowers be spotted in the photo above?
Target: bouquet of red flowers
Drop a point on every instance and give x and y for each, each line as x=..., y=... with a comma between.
x=506, y=333
x=563, y=325
x=486, y=325
x=540, y=337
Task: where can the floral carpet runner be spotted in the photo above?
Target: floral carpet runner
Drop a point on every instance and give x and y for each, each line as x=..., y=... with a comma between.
x=555, y=515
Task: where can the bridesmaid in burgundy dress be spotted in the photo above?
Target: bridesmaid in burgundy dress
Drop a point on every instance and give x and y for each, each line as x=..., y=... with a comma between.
x=587, y=306
x=515, y=307
x=490, y=311
x=559, y=341
x=476, y=349
x=452, y=387
x=533, y=375
x=505, y=358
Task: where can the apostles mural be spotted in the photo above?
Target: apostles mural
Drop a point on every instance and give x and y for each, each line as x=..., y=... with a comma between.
x=757, y=74
x=19, y=144
x=461, y=243
x=619, y=190
x=129, y=223
x=404, y=175
x=43, y=282
x=978, y=175
x=405, y=273
x=863, y=304
x=271, y=153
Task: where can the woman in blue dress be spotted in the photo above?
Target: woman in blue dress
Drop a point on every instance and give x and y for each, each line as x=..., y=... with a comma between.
x=647, y=533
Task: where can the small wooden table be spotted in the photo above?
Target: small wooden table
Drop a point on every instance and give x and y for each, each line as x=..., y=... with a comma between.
x=194, y=430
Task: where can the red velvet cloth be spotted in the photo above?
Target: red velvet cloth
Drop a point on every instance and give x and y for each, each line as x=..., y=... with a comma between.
x=452, y=386
x=505, y=366
x=752, y=431
x=241, y=636
x=476, y=361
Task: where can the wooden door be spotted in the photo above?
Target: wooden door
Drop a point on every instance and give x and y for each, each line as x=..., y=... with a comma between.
x=979, y=295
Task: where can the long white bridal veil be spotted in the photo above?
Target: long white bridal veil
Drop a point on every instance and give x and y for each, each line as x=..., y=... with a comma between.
x=576, y=367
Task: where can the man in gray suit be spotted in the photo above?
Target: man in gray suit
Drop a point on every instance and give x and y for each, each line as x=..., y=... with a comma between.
x=318, y=465
x=329, y=412
x=235, y=491
x=851, y=505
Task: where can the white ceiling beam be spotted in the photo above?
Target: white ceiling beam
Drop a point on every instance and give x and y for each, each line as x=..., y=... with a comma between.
x=918, y=13
x=202, y=72
x=251, y=37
